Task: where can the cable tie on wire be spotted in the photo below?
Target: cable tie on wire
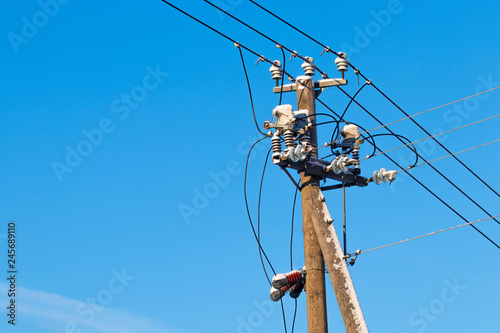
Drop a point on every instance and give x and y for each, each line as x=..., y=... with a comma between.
x=326, y=49
x=261, y=58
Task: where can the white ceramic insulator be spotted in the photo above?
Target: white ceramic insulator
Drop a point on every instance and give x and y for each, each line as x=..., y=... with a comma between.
x=309, y=67
x=342, y=62
x=276, y=70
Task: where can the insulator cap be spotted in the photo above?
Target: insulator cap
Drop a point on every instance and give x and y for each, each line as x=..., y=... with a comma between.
x=309, y=66
x=342, y=62
x=276, y=70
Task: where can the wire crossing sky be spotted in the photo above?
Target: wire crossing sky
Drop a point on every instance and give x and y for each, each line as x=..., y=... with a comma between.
x=126, y=132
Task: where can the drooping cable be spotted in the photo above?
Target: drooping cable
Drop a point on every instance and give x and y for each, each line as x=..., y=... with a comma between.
x=283, y=313
x=258, y=212
x=344, y=216
x=409, y=145
x=248, y=210
x=250, y=91
x=291, y=252
x=335, y=133
x=453, y=154
x=372, y=141
x=283, y=76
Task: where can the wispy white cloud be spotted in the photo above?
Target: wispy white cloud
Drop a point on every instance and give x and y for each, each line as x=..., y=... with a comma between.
x=56, y=313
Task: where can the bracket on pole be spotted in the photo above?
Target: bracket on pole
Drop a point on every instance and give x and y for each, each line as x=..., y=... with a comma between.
x=321, y=84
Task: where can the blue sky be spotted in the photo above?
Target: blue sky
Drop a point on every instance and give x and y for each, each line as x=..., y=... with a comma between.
x=156, y=107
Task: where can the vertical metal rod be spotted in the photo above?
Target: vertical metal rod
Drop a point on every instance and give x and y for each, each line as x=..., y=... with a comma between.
x=344, y=213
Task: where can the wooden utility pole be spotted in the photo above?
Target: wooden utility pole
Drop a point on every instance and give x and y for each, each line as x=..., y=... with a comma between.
x=321, y=242
x=314, y=263
x=334, y=257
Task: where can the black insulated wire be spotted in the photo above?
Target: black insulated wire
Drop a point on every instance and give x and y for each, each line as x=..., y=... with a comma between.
x=423, y=159
x=294, y=53
x=293, y=27
x=250, y=91
x=358, y=72
x=237, y=44
x=248, y=211
x=415, y=179
x=410, y=146
x=258, y=210
x=345, y=111
x=437, y=141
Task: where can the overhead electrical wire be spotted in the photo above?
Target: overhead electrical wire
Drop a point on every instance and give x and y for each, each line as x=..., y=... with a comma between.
x=358, y=72
x=439, y=134
x=422, y=185
x=435, y=108
x=453, y=154
x=446, y=178
x=291, y=26
x=421, y=157
x=250, y=92
x=262, y=58
x=237, y=44
x=248, y=211
x=258, y=212
x=265, y=59
x=279, y=45
x=441, y=200
x=437, y=141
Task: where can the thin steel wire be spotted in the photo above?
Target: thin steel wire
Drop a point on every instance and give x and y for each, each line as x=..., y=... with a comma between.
x=435, y=135
x=450, y=155
x=429, y=234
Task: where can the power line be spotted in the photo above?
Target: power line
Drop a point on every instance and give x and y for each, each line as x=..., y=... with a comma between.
x=250, y=91
x=293, y=27
x=438, y=142
x=439, y=134
x=429, y=234
x=425, y=187
x=358, y=72
x=463, y=151
x=435, y=108
x=433, y=167
x=279, y=45
x=237, y=44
